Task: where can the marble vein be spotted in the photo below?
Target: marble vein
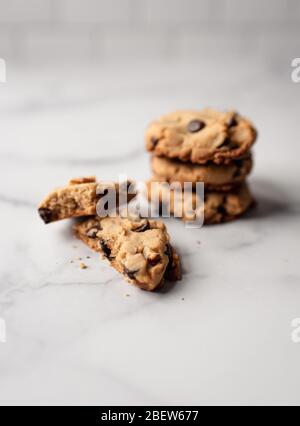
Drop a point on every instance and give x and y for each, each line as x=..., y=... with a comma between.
x=16, y=202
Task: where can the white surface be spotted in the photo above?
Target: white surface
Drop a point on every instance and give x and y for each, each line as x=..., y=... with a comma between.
x=73, y=337
x=89, y=31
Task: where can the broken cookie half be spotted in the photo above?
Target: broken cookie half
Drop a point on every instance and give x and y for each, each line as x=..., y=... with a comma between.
x=80, y=198
x=138, y=248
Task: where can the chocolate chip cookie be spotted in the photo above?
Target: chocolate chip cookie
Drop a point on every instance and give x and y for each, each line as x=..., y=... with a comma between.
x=201, y=136
x=138, y=248
x=79, y=198
x=215, y=177
x=217, y=207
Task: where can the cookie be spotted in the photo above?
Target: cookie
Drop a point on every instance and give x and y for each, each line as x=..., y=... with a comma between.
x=218, y=206
x=78, y=198
x=215, y=177
x=139, y=249
x=201, y=136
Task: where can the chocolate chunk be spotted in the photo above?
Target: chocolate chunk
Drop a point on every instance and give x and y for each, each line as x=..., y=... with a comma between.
x=239, y=164
x=195, y=126
x=144, y=227
x=46, y=215
x=237, y=174
x=221, y=209
x=155, y=260
x=154, y=142
x=173, y=272
x=130, y=274
x=233, y=122
x=92, y=233
x=168, y=250
x=169, y=253
x=228, y=144
x=104, y=247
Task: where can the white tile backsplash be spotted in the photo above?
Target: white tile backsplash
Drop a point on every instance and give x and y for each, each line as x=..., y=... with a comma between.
x=114, y=30
x=22, y=11
x=6, y=45
x=256, y=10
x=205, y=45
x=132, y=46
x=294, y=10
x=55, y=46
x=177, y=11
x=95, y=10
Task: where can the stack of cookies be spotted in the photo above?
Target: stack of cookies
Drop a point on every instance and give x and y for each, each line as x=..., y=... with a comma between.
x=204, y=146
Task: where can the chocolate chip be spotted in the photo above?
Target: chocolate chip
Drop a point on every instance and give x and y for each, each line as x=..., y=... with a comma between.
x=168, y=250
x=104, y=247
x=144, y=227
x=46, y=215
x=237, y=174
x=155, y=260
x=195, y=126
x=154, y=142
x=130, y=274
x=169, y=253
x=92, y=233
x=221, y=209
x=228, y=144
x=233, y=122
x=239, y=164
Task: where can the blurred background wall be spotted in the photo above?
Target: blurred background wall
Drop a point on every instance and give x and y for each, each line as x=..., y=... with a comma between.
x=108, y=31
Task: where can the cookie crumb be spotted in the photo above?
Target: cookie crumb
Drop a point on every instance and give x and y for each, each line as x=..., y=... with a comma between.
x=88, y=257
x=127, y=295
x=79, y=258
x=83, y=266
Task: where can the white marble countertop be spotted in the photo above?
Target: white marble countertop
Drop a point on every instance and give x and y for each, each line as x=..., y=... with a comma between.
x=222, y=335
